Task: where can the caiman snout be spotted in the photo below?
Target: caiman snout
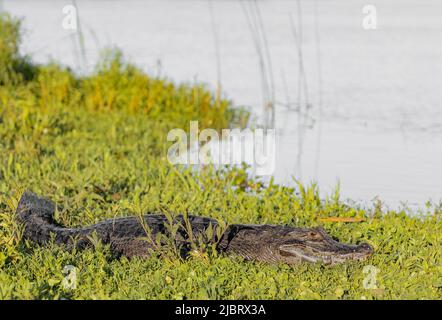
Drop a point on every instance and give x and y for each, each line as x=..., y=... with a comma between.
x=315, y=245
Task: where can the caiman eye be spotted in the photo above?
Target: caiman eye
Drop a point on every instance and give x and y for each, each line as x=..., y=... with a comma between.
x=314, y=235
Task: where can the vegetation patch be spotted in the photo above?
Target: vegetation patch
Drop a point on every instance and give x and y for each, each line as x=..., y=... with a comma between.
x=97, y=145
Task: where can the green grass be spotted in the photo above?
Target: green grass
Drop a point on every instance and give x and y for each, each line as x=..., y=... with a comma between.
x=97, y=145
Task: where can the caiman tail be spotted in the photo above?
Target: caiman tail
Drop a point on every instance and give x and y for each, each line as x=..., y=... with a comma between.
x=37, y=216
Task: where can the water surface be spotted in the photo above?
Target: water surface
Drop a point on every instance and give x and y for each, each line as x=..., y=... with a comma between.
x=375, y=121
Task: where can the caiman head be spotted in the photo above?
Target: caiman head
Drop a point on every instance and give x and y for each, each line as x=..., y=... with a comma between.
x=315, y=245
x=291, y=245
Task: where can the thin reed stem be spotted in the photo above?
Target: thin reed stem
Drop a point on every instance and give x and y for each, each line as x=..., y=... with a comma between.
x=256, y=26
x=217, y=51
x=80, y=40
x=320, y=101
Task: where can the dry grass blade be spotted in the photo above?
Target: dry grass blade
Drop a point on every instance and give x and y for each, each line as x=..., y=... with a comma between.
x=341, y=219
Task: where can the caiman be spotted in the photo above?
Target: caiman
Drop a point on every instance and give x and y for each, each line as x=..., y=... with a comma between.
x=137, y=236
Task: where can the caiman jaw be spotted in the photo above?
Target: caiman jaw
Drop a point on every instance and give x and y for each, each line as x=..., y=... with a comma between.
x=351, y=252
x=340, y=254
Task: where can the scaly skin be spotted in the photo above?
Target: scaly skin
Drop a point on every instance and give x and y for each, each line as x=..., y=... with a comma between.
x=135, y=236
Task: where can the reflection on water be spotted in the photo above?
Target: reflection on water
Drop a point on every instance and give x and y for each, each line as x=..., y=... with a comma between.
x=368, y=163
x=379, y=128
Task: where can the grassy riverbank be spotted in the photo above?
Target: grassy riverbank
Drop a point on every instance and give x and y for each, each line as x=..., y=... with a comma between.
x=97, y=145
